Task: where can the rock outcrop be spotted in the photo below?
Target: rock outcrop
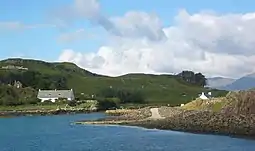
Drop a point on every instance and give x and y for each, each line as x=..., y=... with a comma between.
x=240, y=103
x=235, y=117
x=203, y=122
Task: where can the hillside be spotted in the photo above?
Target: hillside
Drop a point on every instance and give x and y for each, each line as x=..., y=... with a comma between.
x=43, y=75
x=46, y=67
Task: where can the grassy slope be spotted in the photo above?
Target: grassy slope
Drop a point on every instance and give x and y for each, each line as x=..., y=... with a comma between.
x=48, y=68
x=214, y=104
x=157, y=89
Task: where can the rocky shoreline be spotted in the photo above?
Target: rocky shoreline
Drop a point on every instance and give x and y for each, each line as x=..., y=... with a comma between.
x=203, y=122
x=43, y=112
x=231, y=115
x=177, y=119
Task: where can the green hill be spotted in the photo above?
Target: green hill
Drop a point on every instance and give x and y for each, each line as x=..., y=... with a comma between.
x=44, y=75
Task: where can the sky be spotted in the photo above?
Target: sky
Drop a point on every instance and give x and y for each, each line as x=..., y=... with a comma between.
x=115, y=37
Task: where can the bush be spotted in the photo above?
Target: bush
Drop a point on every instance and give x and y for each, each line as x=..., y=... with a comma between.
x=124, y=96
x=9, y=101
x=61, y=101
x=33, y=101
x=107, y=103
x=115, y=100
x=11, y=96
x=80, y=96
x=72, y=103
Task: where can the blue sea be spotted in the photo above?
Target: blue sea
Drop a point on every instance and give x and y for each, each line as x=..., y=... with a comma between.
x=57, y=133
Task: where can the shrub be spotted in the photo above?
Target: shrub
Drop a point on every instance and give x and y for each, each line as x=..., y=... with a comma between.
x=9, y=101
x=105, y=104
x=72, y=103
x=124, y=96
x=33, y=101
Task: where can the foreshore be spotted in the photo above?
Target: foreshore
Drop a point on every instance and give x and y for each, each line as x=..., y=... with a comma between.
x=176, y=119
x=12, y=113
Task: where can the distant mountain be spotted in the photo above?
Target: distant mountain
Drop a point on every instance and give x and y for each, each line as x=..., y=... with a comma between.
x=219, y=82
x=244, y=83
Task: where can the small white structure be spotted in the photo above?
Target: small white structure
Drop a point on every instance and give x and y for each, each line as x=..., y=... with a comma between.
x=182, y=105
x=53, y=95
x=204, y=96
x=17, y=84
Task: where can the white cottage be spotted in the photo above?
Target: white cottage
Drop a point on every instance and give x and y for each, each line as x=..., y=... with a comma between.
x=205, y=96
x=53, y=95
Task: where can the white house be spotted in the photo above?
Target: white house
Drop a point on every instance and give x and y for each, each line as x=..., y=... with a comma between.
x=205, y=96
x=53, y=95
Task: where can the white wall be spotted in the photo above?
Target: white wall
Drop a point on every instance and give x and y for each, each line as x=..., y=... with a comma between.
x=51, y=99
x=202, y=96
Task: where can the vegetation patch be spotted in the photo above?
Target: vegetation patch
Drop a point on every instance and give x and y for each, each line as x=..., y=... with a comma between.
x=214, y=104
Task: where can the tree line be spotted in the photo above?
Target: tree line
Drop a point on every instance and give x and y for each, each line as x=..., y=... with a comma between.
x=192, y=78
x=11, y=96
x=34, y=79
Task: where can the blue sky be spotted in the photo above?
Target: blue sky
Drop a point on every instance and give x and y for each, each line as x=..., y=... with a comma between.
x=43, y=43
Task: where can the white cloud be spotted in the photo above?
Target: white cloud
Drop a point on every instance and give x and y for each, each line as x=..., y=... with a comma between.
x=133, y=24
x=214, y=44
x=139, y=25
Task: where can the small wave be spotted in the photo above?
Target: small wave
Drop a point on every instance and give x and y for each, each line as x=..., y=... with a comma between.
x=140, y=128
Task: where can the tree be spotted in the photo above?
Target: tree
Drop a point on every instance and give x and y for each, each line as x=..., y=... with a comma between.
x=188, y=76
x=193, y=78
x=200, y=79
x=34, y=79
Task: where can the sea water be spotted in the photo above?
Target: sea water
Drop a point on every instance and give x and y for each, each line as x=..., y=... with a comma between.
x=57, y=133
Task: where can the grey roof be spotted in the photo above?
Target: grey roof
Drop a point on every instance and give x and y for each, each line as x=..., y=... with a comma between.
x=55, y=94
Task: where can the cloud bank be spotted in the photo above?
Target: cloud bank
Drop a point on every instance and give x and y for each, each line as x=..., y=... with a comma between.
x=214, y=44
